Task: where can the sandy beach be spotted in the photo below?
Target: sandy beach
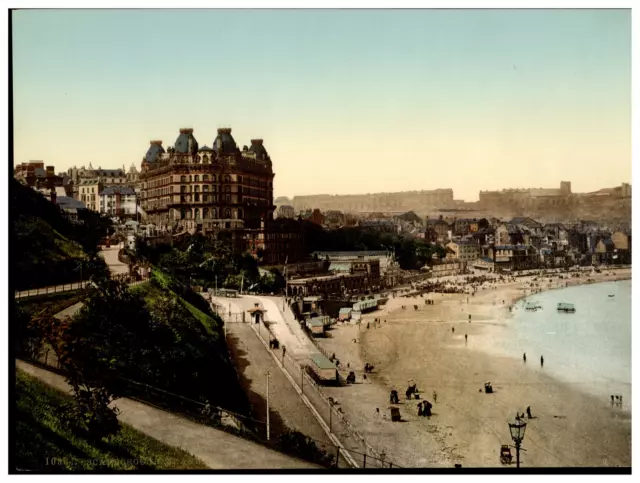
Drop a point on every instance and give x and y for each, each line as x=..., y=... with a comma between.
x=569, y=428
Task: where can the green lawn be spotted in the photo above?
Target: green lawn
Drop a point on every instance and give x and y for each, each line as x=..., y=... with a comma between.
x=151, y=292
x=43, y=443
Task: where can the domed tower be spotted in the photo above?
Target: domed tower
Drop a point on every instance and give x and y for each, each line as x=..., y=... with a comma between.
x=153, y=153
x=224, y=142
x=257, y=147
x=186, y=143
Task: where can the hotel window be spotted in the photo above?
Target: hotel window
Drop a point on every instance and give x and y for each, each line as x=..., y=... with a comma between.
x=205, y=177
x=196, y=178
x=183, y=179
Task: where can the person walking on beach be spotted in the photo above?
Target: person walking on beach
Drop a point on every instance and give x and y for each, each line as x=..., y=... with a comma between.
x=524, y=357
x=541, y=361
x=529, y=412
x=453, y=330
x=612, y=400
x=465, y=339
x=435, y=396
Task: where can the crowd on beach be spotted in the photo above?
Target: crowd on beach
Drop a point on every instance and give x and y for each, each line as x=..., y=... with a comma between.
x=469, y=284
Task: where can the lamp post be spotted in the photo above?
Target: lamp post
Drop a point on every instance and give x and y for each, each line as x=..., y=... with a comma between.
x=330, y=411
x=268, y=374
x=517, y=434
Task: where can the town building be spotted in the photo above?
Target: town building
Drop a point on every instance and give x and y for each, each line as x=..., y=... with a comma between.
x=445, y=268
x=334, y=219
x=336, y=285
x=437, y=231
x=205, y=189
x=380, y=265
x=532, y=225
x=484, y=236
x=605, y=250
x=35, y=175
x=315, y=216
x=285, y=211
x=467, y=226
x=88, y=192
x=509, y=234
x=271, y=244
x=118, y=201
x=514, y=257
x=380, y=225
x=370, y=268
x=70, y=207
x=622, y=245
x=133, y=179
x=464, y=251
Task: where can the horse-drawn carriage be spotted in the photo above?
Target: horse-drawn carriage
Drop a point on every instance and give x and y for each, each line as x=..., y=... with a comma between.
x=412, y=390
x=505, y=454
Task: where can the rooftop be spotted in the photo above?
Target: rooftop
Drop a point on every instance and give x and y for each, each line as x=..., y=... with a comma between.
x=354, y=253
x=322, y=361
x=112, y=190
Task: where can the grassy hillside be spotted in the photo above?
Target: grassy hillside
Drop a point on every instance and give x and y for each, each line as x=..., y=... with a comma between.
x=196, y=362
x=44, y=443
x=45, y=247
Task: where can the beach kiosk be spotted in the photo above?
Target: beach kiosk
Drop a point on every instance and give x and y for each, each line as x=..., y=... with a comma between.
x=257, y=313
x=365, y=306
x=344, y=313
x=323, y=369
x=316, y=326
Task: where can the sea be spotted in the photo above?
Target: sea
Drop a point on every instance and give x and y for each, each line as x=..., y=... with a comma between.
x=590, y=348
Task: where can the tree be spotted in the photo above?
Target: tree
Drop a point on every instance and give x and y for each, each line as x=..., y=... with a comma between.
x=28, y=335
x=102, y=342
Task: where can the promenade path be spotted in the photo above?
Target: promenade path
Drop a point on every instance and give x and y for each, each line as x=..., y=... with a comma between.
x=253, y=360
x=67, y=287
x=285, y=328
x=217, y=449
x=110, y=256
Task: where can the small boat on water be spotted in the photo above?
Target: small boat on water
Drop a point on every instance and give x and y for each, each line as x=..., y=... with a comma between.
x=564, y=307
x=532, y=306
x=613, y=295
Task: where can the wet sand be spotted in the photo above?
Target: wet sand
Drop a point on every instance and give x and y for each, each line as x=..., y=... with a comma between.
x=570, y=428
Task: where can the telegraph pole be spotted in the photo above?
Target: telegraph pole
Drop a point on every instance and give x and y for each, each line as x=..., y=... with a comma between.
x=268, y=374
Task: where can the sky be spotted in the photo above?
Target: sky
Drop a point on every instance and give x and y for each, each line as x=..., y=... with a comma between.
x=347, y=101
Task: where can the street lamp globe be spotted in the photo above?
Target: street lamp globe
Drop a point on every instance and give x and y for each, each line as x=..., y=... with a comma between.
x=517, y=429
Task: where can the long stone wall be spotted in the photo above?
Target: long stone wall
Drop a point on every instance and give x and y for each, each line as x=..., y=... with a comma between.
x=400, y=201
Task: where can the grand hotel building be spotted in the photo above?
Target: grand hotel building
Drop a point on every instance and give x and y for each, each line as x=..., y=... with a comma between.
x=188, y=187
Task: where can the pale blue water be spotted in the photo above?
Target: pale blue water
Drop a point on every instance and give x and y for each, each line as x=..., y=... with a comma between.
x=590, y=348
